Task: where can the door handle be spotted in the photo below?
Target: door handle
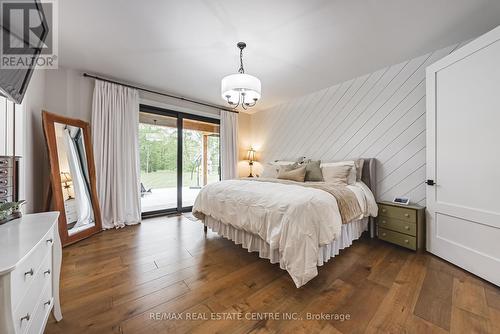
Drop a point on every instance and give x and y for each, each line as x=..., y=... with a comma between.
x=430, y=182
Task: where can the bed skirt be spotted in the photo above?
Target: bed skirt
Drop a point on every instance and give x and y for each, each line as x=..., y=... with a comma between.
x=254, y=243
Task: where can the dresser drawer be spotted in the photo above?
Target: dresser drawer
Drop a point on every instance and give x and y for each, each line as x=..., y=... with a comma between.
x=43, y=308
x=407, y=215
x=5, y=162
x=24, y=314
x=5, y=192
x=398, y=225
x=398, y=238
x=5, y=172
x=5, y=181
x=5, y=199
x=30, y=268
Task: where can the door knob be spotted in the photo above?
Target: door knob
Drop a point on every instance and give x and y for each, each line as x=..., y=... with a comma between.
x=430, y=182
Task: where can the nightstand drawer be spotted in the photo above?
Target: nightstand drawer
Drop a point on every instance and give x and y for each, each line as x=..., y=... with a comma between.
x=405, y=214
x=398, y=238
x=398, y=225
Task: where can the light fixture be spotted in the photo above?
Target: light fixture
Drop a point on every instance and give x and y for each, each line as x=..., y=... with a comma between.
x=251, y=159
x=241, y=88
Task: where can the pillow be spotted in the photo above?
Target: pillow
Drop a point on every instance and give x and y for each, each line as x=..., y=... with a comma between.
x=297, y=174
x=270, y=171
x=359, y=168
x=337, y=174
x=282, y=162
x=351, y=179
x=313, y=170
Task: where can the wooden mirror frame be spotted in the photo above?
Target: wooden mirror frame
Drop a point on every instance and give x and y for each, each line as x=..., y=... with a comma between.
x=55, y=191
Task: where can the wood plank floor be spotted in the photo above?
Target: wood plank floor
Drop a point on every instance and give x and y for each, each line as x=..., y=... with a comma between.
x=133, y=279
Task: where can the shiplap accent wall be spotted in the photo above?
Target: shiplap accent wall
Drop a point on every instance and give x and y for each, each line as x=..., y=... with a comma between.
x=379, y=115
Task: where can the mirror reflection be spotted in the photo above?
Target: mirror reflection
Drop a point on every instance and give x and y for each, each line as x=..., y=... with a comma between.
x=74, y=176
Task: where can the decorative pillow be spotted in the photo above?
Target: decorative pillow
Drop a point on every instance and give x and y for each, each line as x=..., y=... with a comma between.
x=282, y=162
x=297, y=174
x=359, y=168
x=337, y=174
x=313, y=170
x=270, y=171
x=351, y=179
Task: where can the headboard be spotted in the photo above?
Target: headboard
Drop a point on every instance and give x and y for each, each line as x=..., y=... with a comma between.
x=369, y=175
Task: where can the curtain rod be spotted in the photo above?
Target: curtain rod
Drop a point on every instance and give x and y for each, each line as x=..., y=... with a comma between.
x=159, y=93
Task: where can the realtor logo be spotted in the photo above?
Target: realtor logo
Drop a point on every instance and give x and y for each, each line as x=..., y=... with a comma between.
x=29, y=34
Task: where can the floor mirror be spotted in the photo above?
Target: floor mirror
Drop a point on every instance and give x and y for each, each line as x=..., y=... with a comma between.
x=73, y=180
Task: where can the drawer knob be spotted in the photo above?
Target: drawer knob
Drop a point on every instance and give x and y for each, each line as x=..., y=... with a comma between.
x=407, y=227
x=46, y=272
x=3, y=182
x=406, y=241
x=29, y=273
x=4, y=171
x=26, y=317
x=3, y=191
x=383, y=221
x=383, y=234
x=50, y=241
x=407, y=215
x=384, y=210
x=47, y=303
x=3, y=162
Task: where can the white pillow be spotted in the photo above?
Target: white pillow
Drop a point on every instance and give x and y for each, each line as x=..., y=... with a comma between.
x=351, y=178
x=336, y=174
x=282, y=162
x=270, y=171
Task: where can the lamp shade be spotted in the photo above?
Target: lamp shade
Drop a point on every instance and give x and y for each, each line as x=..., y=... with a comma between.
x=235, y=84
x=65, y=177
x=251, y=155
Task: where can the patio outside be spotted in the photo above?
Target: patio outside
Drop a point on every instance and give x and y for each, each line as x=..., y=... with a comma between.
x=158, y=153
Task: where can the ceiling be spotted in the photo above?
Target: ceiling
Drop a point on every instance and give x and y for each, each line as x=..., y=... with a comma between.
x=294, y=46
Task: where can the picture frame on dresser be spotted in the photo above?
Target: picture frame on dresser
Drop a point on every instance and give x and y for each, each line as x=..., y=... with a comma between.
x=73, y=177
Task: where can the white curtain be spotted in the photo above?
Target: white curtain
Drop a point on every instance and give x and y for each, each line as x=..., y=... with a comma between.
x=115, y=126
x=229, y=144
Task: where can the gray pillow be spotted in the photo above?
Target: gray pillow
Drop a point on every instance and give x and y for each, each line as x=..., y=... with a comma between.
x=313, y=170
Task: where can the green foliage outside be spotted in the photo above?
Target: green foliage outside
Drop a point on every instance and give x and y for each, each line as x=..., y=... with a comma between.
x=158, y=154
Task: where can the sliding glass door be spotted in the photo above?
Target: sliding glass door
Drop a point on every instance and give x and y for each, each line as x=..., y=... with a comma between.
x=158, y=154
x=169, y=183
x=200, y=157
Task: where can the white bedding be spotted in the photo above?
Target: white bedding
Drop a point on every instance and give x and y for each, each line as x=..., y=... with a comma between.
x=293, y=219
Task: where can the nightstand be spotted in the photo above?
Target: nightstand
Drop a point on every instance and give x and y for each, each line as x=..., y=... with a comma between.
x=403, y=225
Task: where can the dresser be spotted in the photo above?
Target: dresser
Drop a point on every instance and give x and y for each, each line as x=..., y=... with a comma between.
x=30, y=266
x=9, y=179
x=403, y=225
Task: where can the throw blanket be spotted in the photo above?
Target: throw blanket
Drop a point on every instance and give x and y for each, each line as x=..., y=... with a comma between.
x=348, y=203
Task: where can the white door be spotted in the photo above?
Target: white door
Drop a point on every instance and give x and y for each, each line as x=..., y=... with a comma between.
x=463, y=157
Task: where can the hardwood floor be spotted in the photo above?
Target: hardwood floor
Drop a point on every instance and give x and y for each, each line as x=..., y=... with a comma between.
x=131, y=280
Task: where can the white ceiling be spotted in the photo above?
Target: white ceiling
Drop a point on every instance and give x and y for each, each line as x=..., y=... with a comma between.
x=294, y=46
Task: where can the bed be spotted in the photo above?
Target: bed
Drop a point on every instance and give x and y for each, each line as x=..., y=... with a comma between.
x=296, y=225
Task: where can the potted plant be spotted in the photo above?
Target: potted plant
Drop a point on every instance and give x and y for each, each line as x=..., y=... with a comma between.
x=10, y=211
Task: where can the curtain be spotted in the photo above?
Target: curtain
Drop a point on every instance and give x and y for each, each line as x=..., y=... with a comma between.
x=115, y=126
x=229, y=144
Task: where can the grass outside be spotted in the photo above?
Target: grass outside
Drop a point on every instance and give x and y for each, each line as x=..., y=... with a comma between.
x=168, y=179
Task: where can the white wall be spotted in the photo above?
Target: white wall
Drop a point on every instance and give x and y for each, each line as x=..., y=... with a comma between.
x=34, y=161
x=379, y=115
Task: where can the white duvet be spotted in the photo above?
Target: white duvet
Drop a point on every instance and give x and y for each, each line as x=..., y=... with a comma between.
x=295, y=220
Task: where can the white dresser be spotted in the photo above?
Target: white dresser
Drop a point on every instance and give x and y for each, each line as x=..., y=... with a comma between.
x=30, y=266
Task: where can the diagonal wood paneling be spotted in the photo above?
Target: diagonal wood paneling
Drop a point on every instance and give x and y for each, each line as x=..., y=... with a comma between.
x=379, y=115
